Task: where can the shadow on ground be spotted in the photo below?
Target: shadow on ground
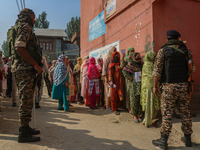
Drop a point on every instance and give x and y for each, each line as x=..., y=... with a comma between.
x=54, y=131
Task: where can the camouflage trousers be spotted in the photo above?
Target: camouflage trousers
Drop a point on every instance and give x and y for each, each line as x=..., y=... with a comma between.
x=24, y=80
x=175, y=95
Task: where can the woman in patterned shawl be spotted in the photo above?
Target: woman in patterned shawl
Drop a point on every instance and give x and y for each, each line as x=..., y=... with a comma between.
x=132, y=73
x=150, y=104
x=61, y=83
x=123, y=63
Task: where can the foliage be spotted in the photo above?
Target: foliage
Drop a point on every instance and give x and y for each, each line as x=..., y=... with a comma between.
x=41, y=21
x=73, y=26
x=5, y=48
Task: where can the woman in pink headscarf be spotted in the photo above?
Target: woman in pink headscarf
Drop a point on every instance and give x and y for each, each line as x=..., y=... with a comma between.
x=101, y=85
x=93, y=76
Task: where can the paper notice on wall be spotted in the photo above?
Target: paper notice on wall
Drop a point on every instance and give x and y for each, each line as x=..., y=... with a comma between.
x=102, y=51
x=138, y=76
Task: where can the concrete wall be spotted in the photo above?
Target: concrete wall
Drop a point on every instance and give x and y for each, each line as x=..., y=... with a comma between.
x=132, y=25
x=181, y=15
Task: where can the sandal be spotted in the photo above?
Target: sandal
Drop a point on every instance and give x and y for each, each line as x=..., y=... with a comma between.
x=117, y=113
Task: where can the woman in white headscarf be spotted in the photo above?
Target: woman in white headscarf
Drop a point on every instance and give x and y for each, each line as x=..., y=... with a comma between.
x=105, y=75
x=84, y=88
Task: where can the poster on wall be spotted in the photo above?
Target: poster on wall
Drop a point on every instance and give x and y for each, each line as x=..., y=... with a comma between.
x=110, y=8
x=97, y=27
x=102, y=52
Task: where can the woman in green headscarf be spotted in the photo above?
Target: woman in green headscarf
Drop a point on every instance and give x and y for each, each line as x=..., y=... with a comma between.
x=150, y=104
x=132, y=73
x=123, y=63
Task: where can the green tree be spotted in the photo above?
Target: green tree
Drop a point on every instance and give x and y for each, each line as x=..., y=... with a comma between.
x=73, y=26
x=5, y=48
x=41, y=21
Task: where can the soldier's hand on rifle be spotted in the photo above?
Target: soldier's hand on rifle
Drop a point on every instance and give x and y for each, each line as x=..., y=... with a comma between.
x=38, y=68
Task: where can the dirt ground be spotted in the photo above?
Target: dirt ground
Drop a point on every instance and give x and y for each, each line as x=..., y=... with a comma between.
x=83, y=129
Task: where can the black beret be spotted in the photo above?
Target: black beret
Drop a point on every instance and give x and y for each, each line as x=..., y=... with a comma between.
x=173, y=33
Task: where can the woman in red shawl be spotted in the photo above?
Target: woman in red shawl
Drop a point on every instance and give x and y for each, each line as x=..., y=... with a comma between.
x=116, y=82
x=93, y=76
x=101, y=85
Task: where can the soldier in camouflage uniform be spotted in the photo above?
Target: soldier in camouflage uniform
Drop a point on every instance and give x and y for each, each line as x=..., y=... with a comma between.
x=171, y=69
x=25, y=65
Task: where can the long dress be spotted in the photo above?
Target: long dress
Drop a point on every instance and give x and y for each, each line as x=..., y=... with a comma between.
x=76, y=73
x=85, y=83
x=115, y=77
x=93, y=76
x=59, y=92
x=71, y=83
x=150, y=104
x=123, y=64
x=134, y=88
x=101, y=85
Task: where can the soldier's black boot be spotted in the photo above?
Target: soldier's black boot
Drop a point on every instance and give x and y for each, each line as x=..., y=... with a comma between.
x=187, y=140
x=33, y=131
x=161, y=143
x=26, y=136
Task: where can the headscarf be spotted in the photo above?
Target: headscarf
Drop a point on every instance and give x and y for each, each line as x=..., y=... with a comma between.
x=115, y=59
x=78, y=65
x=93, y=72
x=24, y=16
x=86, y=58
x=128, y=53
x=61, y=71
x=100, y=64
x=110, y=52
x=128, y=67
x=149, y=57
x=85, y=66
x=136, y=64
x=147, y=82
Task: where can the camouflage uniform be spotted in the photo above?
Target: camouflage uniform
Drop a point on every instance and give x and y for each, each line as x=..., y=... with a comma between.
x=24, y=72
x=172, y=94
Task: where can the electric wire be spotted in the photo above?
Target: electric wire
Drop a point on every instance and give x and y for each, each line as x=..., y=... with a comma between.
x=21, y=4
x=18, y=5
x=24, y=3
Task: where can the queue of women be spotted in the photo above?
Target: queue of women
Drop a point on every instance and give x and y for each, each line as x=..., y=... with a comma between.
x=110, y=84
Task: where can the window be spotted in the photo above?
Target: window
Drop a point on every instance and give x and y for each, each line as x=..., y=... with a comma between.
x=43, y=46
x=47, y=46
x=50, y=47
